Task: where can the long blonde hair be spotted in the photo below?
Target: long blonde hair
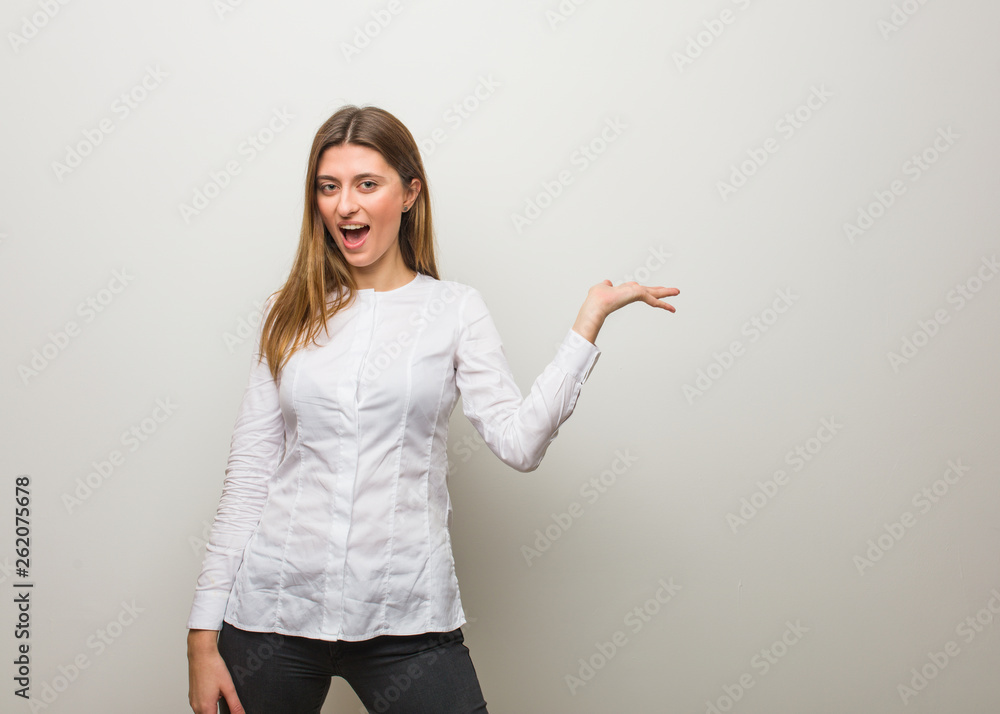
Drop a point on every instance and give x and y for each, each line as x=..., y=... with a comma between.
x=302, y=305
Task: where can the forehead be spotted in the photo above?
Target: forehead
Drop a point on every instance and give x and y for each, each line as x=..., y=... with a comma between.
x=347, y=160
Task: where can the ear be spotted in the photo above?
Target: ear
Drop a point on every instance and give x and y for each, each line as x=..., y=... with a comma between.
x=413, y=191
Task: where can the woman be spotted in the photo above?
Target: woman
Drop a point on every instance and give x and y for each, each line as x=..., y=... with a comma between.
x=330, y=554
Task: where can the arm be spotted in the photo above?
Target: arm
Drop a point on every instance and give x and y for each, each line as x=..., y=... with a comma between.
x=208, y=677
x=518, y=430
x=255, y=451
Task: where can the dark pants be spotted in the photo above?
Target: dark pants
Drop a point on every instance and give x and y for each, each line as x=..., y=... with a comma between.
x=391, y=674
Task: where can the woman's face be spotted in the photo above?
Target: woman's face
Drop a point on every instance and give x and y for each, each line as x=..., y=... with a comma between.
x=356, y=187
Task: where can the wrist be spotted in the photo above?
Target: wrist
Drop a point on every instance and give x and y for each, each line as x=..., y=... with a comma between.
x=199, y=641
x=588, y=323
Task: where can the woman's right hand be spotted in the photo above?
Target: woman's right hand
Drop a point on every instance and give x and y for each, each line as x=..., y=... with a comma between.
x=208, y=677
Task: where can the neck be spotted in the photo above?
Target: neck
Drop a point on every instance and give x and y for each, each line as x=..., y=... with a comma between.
x=385, y=280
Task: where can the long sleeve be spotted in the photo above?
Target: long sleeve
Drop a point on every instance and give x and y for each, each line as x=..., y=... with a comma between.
x=335, y=512
x=255, y=451
x=518, y=430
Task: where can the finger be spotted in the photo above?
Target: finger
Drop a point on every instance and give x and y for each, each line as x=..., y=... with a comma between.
x=650, y=295
x=233, y=701
x=659, y=303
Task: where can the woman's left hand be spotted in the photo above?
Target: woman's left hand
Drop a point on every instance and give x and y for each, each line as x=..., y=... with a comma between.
x=608, y=299
x=604, y=298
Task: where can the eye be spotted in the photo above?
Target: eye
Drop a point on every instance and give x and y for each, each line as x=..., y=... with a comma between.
x=327, y=186
x=368, y=182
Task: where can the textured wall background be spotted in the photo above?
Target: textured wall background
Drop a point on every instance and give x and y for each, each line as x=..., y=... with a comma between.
x=782, y=498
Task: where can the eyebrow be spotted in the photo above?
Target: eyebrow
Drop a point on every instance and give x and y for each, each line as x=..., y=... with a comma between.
x=359, y=176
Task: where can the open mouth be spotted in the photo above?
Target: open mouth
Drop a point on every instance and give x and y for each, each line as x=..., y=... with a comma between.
x=354, y=234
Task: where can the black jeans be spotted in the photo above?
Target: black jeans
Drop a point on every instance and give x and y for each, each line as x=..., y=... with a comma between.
x=391, y=674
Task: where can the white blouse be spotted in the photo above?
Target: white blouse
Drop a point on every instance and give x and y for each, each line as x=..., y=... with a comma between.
x=335, y=513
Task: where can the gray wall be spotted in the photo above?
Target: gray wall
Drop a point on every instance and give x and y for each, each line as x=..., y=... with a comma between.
x=781, y=498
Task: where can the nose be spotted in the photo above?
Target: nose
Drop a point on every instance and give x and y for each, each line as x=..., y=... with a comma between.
x=348, y=203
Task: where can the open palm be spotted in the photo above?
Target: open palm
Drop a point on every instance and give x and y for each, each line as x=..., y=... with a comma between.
x=608, y=298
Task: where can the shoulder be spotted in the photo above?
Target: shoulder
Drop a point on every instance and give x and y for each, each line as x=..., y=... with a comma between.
x=463, y=302
x=452, y=292
x=442, y=286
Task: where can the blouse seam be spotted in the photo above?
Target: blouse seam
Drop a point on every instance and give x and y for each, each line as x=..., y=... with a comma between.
x=461, y=332
x=448, y=504
x=427, y=478
x=395, y=490
x=295, y=504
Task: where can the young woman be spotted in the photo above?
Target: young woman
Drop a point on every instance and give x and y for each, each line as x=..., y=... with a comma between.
x=330, y=554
